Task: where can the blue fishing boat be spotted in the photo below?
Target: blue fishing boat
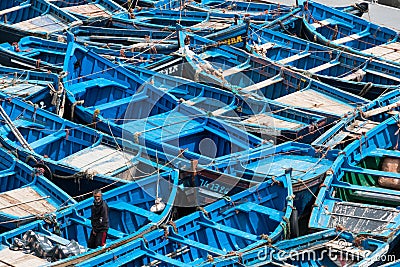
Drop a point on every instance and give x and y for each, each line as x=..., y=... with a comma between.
x=348, y=32
x=49, y=55
x=255, y=116
x=25, y=194
x=235, y=70
x=248, y=219
x=309, y=168
x=155, y=42
x=39, y=88
x=255, y=12
x=128, y=107
x=359, y=75
x=130, y=214
x=325, y=248
x=32, y=17
x=69, y=153
x=355, y=125
x=19, y=56
x=361, y=193
x=91, y=10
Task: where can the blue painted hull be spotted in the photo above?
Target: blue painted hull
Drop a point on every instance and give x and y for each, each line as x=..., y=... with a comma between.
x=355, y=74
x=15, y=176
x=21, y=19
x=340, y=30
x=222, y=228
x=129, y=214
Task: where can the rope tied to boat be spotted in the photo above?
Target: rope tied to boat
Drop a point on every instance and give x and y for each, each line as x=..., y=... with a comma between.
x=173, y=224
x=51, y=219
x=38, y=63
x=87, y=175
x=166, y=232
x=210, y=258
x=286, y=227
x=267, y=238
x=136, y=137
x=204, y=211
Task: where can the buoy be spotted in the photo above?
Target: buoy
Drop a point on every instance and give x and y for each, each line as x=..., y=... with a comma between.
x=158, y=207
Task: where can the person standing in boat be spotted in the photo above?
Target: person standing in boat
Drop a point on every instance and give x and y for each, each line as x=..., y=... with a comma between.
x=99, y=221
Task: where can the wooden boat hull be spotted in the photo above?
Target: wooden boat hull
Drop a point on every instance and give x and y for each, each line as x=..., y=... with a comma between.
x=25, y=194
x=19, y=20
x=198, y=237
x=358, y=75
x=350, y=33
x=359, y=203
x=129, y=209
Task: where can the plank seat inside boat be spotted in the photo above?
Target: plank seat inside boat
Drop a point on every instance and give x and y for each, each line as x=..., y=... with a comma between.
x=191, y=243
x=111, y=232
x=372, y=172
x=324, y=66
x=48, y=139
x=269, y=120
x=45, y=23
x=98, y=82
x=19, y=259
x=123, y=206
x=58, y=239
x=322, y=23
x=354, y=130
x=294, y=57
x=88, y=10
x=379, y=152
x=357, y=217
x=276, y=79
x=390, y=51
x=102, y=159
x=312, y=99
x=349, y=38
x=229, y=230
x=22, y=89
x=13, y=9
x=210, y=53
x=21, y=122
x=211, y=24
x=252, y=207
x=121, y=102
x=384, y=75
x=370, y=191
x=25, y=201
x=236, y=69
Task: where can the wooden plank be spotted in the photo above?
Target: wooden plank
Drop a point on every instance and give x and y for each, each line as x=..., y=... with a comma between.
x=321, y=23
x=354, y=75
x=234, y=70
x=394, y=56
x=46, y=23
x=314, y=100
x=294, y=58
x=100, y=159
x=395, y=46
x=384, y=75
x=380, y=110
x=263, y=84
x=22, y=195
x=348, y=38
x=378, y=50
x=323, y=67
x=9, y=258
x=88, y=10
x=269, y=121
x=14, y=8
